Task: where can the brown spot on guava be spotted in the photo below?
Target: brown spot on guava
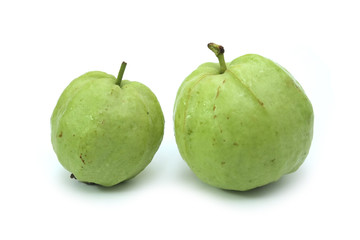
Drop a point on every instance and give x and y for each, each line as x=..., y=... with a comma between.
x=214, y=107
x=235, y=144
x=83, y=161
x=218, y=92
x=223, y=163
x=215, y=116
x=61, y=133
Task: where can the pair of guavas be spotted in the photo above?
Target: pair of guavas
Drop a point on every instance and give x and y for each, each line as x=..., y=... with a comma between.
x=238, y=125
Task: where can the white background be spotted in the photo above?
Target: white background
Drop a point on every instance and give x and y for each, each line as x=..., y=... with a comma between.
x=46, y=44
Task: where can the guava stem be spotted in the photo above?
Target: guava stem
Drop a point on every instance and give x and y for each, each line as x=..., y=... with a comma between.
x=121, y=73
x=219, y=52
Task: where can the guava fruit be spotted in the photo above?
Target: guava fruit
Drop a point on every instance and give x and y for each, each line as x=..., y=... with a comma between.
x=105, y=130
x=243, y=124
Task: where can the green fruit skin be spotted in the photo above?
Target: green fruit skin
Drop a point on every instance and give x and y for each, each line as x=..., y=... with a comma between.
x=244, y=128
x=104, y=133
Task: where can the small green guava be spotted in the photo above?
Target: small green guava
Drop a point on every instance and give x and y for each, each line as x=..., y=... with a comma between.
x=105, y=130
x=243, y=124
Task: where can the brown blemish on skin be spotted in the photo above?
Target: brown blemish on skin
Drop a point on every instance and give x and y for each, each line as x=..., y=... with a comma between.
x=223, y=163
x=218, y=92
x=227, y=118
x=270, y=162
x=224, y=81
x=83, y=161
x=215, y=116
x=235, y=144
x=60, y=135
x=214, y=107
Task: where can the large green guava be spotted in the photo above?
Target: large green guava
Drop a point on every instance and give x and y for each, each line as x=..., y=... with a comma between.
x=105, y=130
x=243, y=124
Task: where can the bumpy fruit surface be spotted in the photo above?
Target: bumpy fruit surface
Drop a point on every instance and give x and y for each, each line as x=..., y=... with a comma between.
x=104, y=130
x=243, y=124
